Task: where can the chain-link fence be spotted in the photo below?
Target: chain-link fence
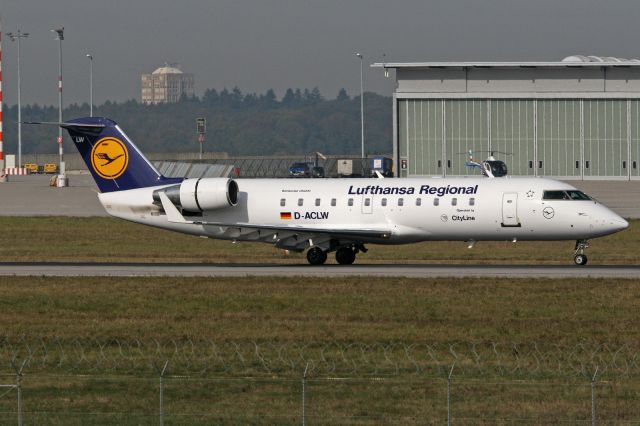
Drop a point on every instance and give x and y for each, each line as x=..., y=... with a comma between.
x=189, y=381
x=247, y=167
x=203, y=357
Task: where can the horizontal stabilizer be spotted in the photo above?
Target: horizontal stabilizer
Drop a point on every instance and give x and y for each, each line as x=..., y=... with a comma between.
x=65, y=125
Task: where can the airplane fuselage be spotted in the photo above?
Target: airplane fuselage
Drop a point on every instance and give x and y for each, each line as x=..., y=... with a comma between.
x=412, y=210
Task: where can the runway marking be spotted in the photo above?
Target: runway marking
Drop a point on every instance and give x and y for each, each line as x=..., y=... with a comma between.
x=245, y=270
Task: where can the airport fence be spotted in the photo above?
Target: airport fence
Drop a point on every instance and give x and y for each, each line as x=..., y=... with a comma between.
x=189, y=381
x=247, y=166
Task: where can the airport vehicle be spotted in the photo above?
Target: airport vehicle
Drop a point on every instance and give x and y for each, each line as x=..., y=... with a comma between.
x=382, y=165
x=32, y=167
x=336, y=215
x=50, y=168
x=347, y=168
x=317, y=172
x=306, y=170
x=490, y=167
x=300, y=170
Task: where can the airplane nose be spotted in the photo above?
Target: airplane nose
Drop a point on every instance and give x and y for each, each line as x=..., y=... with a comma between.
x=621, y=224
x=616, y=224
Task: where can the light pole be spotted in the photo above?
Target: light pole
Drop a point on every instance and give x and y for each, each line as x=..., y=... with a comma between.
x=90, y=84
x=17, y=36
x=62, y=178
x=359, y=55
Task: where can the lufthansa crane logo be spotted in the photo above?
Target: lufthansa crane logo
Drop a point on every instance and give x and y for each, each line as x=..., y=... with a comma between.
x=109, y=158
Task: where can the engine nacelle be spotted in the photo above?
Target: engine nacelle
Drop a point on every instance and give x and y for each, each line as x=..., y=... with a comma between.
x=197, y=195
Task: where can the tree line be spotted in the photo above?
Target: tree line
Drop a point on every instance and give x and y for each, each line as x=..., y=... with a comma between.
x=302, y=121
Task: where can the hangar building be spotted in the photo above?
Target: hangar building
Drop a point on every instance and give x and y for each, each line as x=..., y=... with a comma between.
x=577, y=119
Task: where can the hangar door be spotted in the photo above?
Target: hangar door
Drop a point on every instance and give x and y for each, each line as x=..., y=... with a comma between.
x=561, y=138
x=634, y=159
x=465, y=129
x=420, y=136
x=513, y=132
x=558, y=129
x=605, y=138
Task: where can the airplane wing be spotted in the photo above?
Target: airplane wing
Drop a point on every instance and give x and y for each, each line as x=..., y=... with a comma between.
x=292, y=237
x=334, y=232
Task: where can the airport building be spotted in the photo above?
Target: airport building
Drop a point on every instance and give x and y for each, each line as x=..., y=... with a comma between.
x=576, y=119
x=165, y=85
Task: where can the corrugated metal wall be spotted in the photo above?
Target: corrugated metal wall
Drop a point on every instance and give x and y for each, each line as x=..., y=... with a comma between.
x=564, y=138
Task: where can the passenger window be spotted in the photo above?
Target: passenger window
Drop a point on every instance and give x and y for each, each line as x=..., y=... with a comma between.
x=418, y=201
x=401, y=202
x=333, y=202
x=317, y=201
x=283, y=202
x=472, y=201
x=300, y=201
x=367, y=202
x=454, y=201
x=384, y=202
x=350, y=202
x=436, y=201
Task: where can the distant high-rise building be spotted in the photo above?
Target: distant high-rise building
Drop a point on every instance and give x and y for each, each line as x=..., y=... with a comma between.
x=166, y=84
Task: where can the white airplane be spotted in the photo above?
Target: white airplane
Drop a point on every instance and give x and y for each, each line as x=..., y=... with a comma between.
x=336, y=215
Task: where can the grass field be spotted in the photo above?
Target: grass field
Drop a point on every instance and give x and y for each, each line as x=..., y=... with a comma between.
x=279, y=311
x=78, y=375
x=111, y=240
x=360, y=309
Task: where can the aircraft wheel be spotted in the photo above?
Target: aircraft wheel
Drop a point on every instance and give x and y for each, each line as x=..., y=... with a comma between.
x=316, y=256
x=580, y=259
x=345, y=256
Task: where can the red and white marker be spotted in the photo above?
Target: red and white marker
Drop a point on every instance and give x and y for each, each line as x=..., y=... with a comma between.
x=3, y=176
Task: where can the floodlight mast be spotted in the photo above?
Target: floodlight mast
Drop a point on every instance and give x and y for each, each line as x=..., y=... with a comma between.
x=16, y=37
x=3, y=176
x=359, y=55
x=62, y=179
x=90, y=56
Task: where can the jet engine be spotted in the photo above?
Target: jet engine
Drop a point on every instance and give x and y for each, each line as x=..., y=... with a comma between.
x=197, y=195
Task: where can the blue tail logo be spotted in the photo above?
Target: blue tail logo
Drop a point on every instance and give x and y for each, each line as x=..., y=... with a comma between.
x=109, y=158
x=112, y=158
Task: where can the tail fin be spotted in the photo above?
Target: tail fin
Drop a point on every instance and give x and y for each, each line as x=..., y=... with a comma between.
x=114, y=161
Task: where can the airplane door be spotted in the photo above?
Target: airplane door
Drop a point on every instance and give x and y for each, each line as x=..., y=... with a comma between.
x=510, y=209
x=367, y=204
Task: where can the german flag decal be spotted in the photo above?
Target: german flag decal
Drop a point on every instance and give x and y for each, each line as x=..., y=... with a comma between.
x=285, y=215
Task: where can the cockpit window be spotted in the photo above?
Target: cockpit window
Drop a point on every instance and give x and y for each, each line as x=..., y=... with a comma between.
x=565, y=195
x=578, y=195
x=555, y=195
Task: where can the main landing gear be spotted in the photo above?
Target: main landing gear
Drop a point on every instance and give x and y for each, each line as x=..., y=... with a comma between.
x=316, y=256
x=580, y=258
x=345, y=255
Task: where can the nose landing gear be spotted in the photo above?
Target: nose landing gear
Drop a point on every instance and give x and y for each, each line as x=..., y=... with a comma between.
x=580, y=258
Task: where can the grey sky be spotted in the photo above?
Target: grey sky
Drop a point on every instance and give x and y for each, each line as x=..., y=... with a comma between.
x=262, y=44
